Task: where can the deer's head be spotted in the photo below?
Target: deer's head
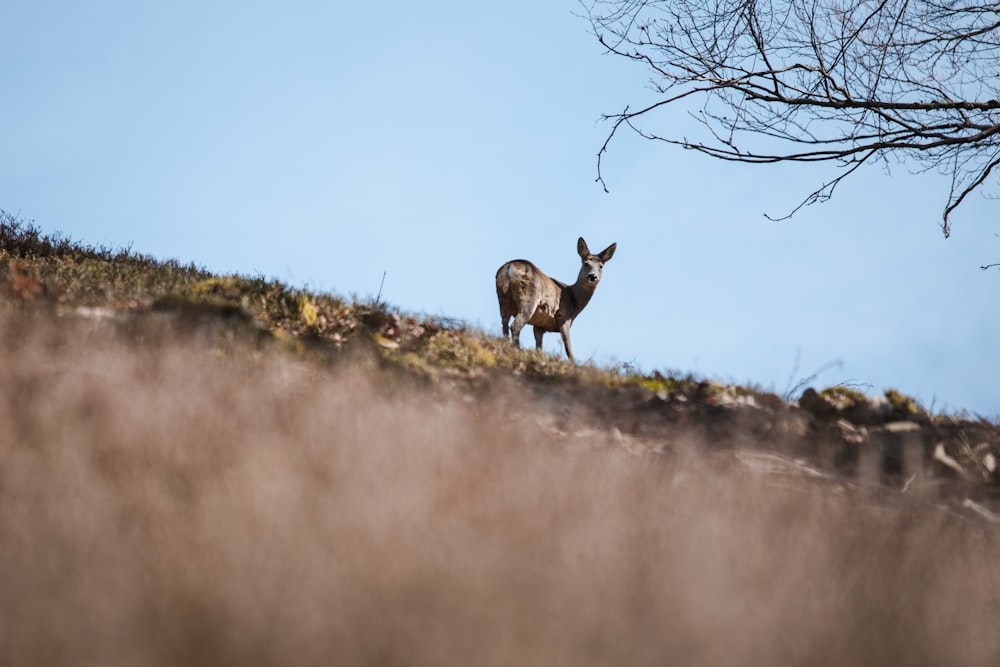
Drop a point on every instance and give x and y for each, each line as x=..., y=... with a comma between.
x=593, y=265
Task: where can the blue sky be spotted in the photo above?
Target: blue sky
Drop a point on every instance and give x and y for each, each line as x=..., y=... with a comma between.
x=323, y=145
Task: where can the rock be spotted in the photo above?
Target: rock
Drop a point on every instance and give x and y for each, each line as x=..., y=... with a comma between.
x=816, y=405
x=902, y=427
x=948, y=462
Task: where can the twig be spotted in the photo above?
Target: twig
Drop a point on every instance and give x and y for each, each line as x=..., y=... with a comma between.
x=378, y=297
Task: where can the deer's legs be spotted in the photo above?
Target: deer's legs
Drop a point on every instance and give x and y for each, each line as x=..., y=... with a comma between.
x=564, y=332
x=515, y=328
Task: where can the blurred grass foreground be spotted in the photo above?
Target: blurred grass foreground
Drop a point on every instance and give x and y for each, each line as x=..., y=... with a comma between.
x=207, y=470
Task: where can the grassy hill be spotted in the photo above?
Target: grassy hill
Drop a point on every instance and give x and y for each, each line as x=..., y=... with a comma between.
x=202, y=469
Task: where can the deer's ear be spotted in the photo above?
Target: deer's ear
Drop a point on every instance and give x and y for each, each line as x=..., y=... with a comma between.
x=607, y=253
x=582, y=249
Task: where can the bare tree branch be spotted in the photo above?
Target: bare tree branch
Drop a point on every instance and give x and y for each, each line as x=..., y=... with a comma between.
x=841, y=81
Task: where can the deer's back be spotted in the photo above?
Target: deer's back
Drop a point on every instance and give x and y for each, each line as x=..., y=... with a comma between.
x=516, y=280
x=522, y=285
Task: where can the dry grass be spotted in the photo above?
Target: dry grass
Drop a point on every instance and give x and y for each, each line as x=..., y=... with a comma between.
x=169, y=503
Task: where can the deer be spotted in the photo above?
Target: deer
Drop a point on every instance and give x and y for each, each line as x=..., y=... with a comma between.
x=531, y=297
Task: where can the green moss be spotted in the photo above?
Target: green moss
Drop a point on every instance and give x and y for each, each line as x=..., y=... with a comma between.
x=841, y=392
x=481, y=356
x=656, y=384
x=454, y=349
x=383, y=342
x=843, y=398
x=307, y=311
x=902, y=402
x=224, y=288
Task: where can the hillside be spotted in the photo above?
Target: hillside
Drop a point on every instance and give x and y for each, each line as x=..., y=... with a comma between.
x=204, y=469
x=135, y=296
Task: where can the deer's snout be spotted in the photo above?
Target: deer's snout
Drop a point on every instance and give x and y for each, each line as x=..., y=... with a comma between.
x=592, y=277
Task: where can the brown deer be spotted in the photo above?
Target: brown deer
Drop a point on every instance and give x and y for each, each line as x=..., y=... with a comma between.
x=531, y=297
